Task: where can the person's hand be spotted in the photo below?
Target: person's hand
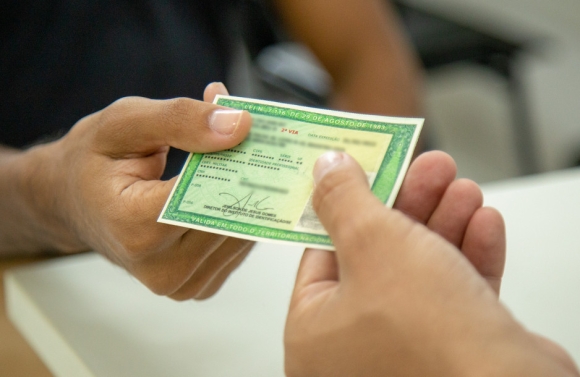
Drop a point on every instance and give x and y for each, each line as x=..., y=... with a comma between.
x=410, y=291
x=101, y=185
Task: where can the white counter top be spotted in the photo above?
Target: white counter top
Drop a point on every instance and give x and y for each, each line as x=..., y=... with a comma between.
x=86, y=317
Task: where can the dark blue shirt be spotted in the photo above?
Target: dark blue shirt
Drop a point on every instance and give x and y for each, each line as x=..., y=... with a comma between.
x=62, y=60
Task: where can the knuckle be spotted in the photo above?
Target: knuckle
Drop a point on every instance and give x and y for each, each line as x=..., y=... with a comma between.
x=137, y=247
x=162, y=286
x=182, y=297
x=124, y=103
x=119, y=109
x=134, y=250
x=204, y=294
x=193, y=290
x=177, y=109
x=117, y=118
x=160, y=279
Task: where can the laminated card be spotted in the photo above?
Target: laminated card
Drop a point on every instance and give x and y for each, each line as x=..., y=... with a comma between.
x=262, y=189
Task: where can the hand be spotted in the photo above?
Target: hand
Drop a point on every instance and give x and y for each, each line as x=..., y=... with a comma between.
x=101, y=184
x=398, y=299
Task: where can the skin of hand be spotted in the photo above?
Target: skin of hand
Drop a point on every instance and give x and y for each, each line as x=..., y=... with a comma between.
x=410, y=291
x=98, y=188
x=362, y=46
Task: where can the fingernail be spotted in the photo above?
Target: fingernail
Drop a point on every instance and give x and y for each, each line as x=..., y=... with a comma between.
x=325, y=164
x=225, y=121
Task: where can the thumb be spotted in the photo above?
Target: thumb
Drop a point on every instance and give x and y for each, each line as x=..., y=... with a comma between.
x=136, y=125
x=355, y=219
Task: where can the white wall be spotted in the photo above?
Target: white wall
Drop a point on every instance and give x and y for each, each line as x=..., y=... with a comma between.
x=551, y=76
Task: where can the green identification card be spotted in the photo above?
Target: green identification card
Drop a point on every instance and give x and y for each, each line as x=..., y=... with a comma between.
x=262, y=188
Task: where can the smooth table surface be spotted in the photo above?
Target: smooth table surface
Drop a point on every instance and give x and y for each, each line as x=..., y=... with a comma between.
x=86, y=317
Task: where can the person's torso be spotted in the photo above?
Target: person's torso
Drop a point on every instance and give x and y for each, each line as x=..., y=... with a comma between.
x=62, y=60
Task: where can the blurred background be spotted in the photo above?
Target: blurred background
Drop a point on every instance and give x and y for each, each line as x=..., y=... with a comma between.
x=502, y=80
x=502, y=94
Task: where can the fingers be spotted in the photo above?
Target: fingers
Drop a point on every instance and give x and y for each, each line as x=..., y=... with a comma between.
x=127, y=144
x=458, y=204
x=136, y=126
x=318, y=269
x=424, y=185
x=223, y=259
x=453, y=209
x=144, y=199
x=484, y=245
x=212, y=90
x=222, y=275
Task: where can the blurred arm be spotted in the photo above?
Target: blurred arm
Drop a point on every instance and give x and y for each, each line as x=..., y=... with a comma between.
x=361, y=44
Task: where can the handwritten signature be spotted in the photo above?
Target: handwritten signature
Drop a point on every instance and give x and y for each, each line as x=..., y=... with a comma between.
x=244, y=203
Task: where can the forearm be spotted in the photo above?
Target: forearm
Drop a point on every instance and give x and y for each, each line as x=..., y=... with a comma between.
x=363, y=47
x=31, y=214
x=380, y=73
x=380, y=84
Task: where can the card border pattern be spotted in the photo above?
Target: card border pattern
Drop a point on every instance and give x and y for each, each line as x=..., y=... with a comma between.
x=384, y=186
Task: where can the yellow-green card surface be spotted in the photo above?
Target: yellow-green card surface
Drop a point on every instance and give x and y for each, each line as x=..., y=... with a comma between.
x=261, y=189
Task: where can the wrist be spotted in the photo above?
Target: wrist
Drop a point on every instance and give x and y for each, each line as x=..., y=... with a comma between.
x=509, y=350
x=35, y=202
